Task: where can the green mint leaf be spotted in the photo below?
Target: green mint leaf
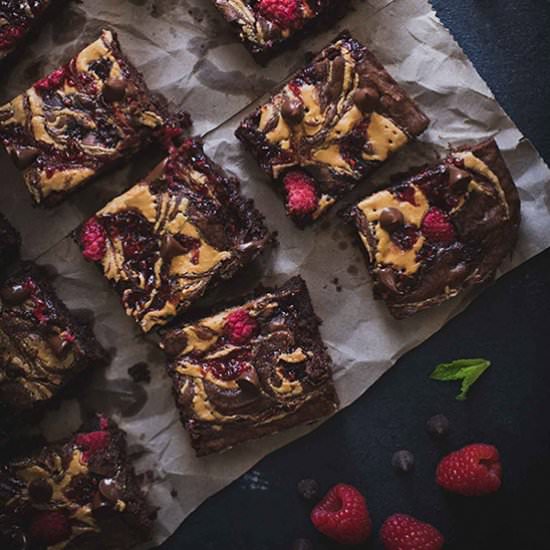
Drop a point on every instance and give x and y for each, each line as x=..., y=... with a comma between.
x=467, y=370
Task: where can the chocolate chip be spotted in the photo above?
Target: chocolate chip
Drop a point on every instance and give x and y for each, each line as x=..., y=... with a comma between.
x=292, y=111
x=15, y=294
x=403, y=461
x=334, y=87
x=40, y=491
x=366, y=99
x=458, y=179
x=114, y=89
x=109, y=489
x=25, y=156
x=248, y=380
x=391, y=219
x=174, y=343
x=302, y=544
x=387, y=278
x=308, y=489
x=438, y=426
x=59, y=344
x=170, y=248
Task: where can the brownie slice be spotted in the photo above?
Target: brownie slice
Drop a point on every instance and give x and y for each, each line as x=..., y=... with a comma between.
x=252, y=370
x=80, y=494
x=85, y=117
x=440, y=229
x=10, y=242
x=265, y=26
x=172, y=236
x=42, y=346
x=330, y=127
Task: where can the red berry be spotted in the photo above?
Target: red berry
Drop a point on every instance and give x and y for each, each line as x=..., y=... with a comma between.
x=343, y=516
x=402, y=532
x=301, y=194
x=92, y=443
x=437, y=226
x=284, y=12
x=50, y=528
x=52, y=81
x=474, y=470
x=93, y=240
x=240, y=326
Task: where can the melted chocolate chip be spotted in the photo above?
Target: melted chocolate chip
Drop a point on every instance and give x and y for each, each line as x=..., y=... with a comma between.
x=248, y=380
x=292, y=111
x=366, y=99
x=109, y=489
x=386, y=276
x=458, y=179
x=40, y=491
x=15, y=294
x=25, y=156
x=114, y=89
x=391, y=219
x=170, y=248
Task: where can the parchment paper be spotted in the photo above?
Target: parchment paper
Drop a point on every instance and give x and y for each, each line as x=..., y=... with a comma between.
x=187, y=53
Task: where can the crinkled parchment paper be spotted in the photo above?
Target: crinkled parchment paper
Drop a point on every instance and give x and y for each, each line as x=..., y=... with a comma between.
x=188, y=54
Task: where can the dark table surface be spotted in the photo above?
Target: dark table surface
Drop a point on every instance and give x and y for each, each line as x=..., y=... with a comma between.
x=509, y=43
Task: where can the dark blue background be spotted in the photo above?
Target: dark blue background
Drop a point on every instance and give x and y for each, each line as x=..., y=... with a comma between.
x=509, y=43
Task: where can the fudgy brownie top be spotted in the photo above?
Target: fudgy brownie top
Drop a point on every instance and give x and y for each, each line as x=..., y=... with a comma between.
x=440, y=229
x=238, y=373
x=42, y=347
x=329, y=127
x=163, y=242
x=80, y=119
x=81, y=494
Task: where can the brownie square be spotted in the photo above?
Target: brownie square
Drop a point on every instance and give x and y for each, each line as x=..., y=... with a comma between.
x=172, y=236
x=265, y=26
x=42, y=345
x=440, y=229
x=329, y=127
x=10, y=242
x=78, y=494
x=252, y=370
x=79, y=121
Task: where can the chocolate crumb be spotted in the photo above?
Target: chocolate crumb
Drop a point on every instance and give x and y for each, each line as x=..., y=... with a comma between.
x=302, y=544
x=308, y=489
x=403, y=461
x=438, y=426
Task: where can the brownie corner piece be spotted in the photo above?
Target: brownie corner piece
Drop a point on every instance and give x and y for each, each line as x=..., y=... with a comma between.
x=42, y=345
x=329, y=127
x=81, y=493
x=251, y=370
x=440, y=229
x=82, y=119
x=10, y=242
x=173, y=235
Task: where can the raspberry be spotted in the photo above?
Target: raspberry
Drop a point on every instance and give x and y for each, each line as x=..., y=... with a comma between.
x=50, y=528
x=402, y=532
x=240, y=326
x=343, y=516
x=284, y=12
x=474, y=470
x=91, y=443
x=301, y=194
x=52, y=81
x=93, y=240
x=437, y=226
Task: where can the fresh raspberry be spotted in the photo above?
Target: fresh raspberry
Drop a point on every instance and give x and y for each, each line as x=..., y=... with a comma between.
x=240, y=326
x=284, y=12
x=52, y=81
x=301, y=194
x=437, y=226
x=92, y=442
x=402, y=532
x=93, y=240
x=50, y=528
x=343, y=516
x=474, y=470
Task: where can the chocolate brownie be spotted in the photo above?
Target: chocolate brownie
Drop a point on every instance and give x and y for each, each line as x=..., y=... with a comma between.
x=264, y=26
x=169, y=238
x=330, y=127
x=85, y=117
x=252, y=370
x=79, y=494
x=42, y=346
x=440, y=229
x=10, y=242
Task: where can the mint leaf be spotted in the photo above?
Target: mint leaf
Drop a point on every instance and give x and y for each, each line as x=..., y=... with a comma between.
x=467, y=370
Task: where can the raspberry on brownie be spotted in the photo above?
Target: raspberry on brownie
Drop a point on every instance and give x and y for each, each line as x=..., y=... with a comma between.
x=10, y=242
x=265, y=26
x=440, y=229
x=330, y=126
x=251, y=370
x=74, y=494
x=82, y=119
x=172, y=236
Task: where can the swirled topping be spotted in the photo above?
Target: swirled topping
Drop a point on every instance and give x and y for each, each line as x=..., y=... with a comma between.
x=256, y=366
x=79, y=120
x=329, y=127
x=163, y=242
x=440, y=229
